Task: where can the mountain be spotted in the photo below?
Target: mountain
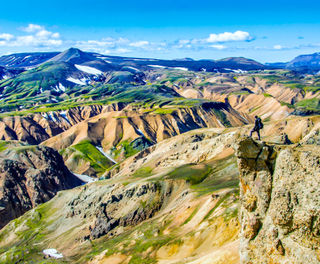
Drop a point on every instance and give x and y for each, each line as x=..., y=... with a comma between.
x=178, y=202
x=7, y=73
x=309, y=62
x=240, y=63
x=276, y=65
x=26, y=60
x=76, y=56
x=29, y=176
x=104, y=62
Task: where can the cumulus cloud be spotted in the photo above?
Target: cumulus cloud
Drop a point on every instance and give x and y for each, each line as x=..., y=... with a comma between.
x=6, y=37
x=119, y=45
x=32, y=28
x=229, y=36
x=38, y=37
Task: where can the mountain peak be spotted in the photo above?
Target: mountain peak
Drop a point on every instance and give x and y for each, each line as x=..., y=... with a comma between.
x=73, y=55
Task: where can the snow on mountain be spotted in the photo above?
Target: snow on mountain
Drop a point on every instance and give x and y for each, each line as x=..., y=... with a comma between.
x=76, y=81
x=88, y=69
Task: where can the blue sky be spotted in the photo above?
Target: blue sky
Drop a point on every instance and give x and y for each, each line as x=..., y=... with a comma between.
x=267, y=31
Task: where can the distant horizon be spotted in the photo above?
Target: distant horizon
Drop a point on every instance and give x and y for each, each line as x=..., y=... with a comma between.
x=60, y=51
x=276, y=31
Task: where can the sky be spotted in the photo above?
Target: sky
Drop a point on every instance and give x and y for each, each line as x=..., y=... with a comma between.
x=267, y=31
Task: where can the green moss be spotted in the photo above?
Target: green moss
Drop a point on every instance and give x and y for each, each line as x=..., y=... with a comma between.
x=164, y=111
x=267, y=95
x=143, y=172
x=191, y=173
x=286, y=104
x=251, y=110
x=87, y=151
x=120, y=117
x=218, y=203
x=3, y=145
x=140, y=259
x=192, y=215
x=224, y=175
x=309, y=104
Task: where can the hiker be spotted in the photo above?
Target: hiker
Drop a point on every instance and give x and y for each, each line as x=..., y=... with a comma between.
x=257, y=126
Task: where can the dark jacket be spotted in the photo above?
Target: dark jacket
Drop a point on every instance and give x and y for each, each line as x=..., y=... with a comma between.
x=257, y=124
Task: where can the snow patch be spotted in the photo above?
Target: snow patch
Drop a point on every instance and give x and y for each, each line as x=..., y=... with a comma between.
x=132, y=68
x=64, y=115
x=88, y=69
x=181, y=68
x=141, y=133
x=62, y=88
x=106, y=155
x=84, y=178
x=157, y=66
x=76, y=81
x=52, y=252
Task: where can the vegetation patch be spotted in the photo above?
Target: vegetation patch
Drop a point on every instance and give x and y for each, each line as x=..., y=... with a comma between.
x=192, y=173
x=143, y=172
x=87, y=151
x=309, y=104
x=3, y=145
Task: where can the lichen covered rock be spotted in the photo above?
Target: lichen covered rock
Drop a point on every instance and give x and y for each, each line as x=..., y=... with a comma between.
x=280, y=203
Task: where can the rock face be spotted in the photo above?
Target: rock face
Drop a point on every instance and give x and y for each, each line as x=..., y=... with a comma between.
x=110, y=128
x=29, y=176
x=119, y=207
x=280, y=201
x=36, y=128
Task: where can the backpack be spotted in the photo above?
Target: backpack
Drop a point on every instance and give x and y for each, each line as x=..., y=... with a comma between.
x=260, y=124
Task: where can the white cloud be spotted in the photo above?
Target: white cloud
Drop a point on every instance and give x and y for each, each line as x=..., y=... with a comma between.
x=139, y=44
x=277, y=47
x=218, y=47
x=6, y=37
x=38, y=37
x=229, y=36
x=32, y=28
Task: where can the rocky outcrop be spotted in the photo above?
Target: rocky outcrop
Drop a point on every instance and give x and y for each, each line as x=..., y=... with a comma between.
x=280, y=201
x=29, y=176
x=118, y=206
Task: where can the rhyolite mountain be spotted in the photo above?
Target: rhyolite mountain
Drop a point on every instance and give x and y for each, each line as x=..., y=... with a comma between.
x=157, y=143
x=178, y=202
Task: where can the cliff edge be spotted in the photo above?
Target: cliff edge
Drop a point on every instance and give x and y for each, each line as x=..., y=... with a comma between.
x=279, y=202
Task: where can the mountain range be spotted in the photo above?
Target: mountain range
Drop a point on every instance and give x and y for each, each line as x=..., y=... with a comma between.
x=310, y=62
x=107, y=159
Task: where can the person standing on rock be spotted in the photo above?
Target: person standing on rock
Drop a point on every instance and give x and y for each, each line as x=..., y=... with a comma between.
x=257, y=126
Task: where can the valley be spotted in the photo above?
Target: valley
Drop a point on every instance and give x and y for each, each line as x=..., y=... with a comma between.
x=107, y=159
